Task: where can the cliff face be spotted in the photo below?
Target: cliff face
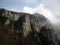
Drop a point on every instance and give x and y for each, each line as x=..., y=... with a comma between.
x=25, y=29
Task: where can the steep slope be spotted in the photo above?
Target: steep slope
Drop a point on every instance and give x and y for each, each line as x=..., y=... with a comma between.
x=25, y=29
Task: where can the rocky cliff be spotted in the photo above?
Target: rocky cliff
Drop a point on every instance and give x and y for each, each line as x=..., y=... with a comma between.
x=25, y=29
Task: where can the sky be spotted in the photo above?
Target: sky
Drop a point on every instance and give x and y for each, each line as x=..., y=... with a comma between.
x=49, y=8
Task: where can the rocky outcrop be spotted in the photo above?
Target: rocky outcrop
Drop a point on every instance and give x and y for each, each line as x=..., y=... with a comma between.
x=25, y=29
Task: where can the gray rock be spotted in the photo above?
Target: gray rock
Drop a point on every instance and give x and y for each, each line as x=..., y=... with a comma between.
x=25, y=29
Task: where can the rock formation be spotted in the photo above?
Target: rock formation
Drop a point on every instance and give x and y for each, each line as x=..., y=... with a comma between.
x=25, y=29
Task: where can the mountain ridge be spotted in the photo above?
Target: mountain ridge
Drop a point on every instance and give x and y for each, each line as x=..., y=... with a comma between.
x=25, y=29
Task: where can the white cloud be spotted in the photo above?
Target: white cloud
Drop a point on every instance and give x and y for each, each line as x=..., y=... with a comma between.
x=41, y=10
x=47, y=13
x=50, y=9
x=54, y=7
x=28, y=10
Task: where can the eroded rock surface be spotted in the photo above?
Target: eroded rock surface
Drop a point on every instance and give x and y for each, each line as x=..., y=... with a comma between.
x=25, y=29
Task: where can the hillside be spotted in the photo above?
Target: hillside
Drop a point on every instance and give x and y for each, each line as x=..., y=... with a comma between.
x=18, y=28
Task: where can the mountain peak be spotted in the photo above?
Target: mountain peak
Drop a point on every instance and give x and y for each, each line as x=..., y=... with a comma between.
x=18, y=28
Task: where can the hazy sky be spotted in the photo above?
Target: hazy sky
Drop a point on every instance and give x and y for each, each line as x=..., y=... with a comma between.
x=49, y=8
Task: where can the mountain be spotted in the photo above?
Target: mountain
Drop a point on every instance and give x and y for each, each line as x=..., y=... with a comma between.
x=57, y=30
x=19, y=28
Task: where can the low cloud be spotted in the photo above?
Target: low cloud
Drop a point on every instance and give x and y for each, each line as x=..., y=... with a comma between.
x=50, y=9
x=41, y=10
x=54, y=7
x=28, y=10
